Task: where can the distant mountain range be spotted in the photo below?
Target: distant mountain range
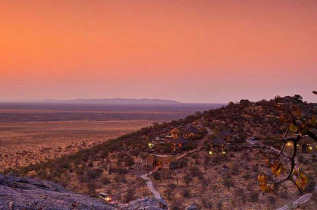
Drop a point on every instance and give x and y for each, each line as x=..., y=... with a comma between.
x=122, y=101
x=105, y=101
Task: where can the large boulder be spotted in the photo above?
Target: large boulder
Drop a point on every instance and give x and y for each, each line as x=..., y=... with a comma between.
x=192, y=207
x=27, y=193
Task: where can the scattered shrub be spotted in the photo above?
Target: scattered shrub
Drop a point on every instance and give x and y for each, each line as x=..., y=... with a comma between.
x=253, y=196
x=157, y=176
x=227, y=182
x=93, y=173
x=185, y=193
x=129, y=195
x=235, y=169
x=120, y=178
x=187, y=179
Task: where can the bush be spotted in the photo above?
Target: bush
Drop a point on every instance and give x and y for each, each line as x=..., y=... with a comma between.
x=128, y=161
x=129, y=195
x=185, y=193
x=168, y=193
x=301, y=159
x=187, y=179
x=311, y=184
x=235, y=169
x=171, y=186
x=196, y=172
x=157, y=176
x=135, y=153
x=239, y=193
x=246, y=175
x=105, y=181
x=219, y=205
x=121, y=171
x=271, y=200
x=207, y=159
x=177, y=205
x=91, y=186
x=227, y=182
x=120, y=178
x=93, y=173
x=217, y=159
x=253, y=196
x=206, y=201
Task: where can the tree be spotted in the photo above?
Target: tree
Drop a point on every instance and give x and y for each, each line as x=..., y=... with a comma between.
x=301, y=123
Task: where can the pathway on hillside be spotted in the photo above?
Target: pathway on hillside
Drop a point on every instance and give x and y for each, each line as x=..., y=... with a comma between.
x=149, y=183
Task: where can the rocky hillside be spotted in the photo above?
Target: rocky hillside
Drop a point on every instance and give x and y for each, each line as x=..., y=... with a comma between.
x=207, y=178
x=27, y=193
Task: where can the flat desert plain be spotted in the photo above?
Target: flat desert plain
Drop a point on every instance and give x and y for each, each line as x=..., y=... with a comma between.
x=31, y=142
x=30, y=133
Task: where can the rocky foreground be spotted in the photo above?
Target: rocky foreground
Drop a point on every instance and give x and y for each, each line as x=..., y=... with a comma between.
x=26, y=193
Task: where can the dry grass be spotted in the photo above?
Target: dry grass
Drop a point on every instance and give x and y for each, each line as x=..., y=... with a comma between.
x=241, y=168
x=30, y=142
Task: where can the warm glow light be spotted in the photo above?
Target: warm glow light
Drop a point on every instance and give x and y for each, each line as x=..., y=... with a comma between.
x=186, y=50
x=289, y=144
x=151, y=145
x=223, y=152
x=310, y=147
x=210, y=152
x=108, y=199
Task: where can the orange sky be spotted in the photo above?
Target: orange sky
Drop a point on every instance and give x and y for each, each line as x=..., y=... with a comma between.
x=191, y=51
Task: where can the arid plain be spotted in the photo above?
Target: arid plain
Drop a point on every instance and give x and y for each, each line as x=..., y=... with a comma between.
x=30, y=133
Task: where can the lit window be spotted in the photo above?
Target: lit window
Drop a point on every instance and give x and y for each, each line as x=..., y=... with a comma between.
x=151, y=145
x=108, y=199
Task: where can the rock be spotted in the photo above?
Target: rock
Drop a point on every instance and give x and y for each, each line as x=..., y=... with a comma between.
x=224, y=171
x=192, y=207
x=145, y=203
x=27, y=193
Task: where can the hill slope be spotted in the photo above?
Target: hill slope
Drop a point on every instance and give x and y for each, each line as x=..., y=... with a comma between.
x=225, y=180
x=27, y=193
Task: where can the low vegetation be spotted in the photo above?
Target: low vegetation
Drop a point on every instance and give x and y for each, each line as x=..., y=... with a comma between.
x=210, y=180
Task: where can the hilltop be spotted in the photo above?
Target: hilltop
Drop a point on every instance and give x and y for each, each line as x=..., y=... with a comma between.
x=203, y=159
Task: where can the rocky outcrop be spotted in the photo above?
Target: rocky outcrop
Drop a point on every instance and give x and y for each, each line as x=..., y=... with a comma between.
x=145, y=203
x=26, y=193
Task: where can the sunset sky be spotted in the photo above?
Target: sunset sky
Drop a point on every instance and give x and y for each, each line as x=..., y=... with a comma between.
x=185, y=50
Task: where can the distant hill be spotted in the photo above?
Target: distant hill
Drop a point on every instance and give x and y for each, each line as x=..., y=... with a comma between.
x=123, y=101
